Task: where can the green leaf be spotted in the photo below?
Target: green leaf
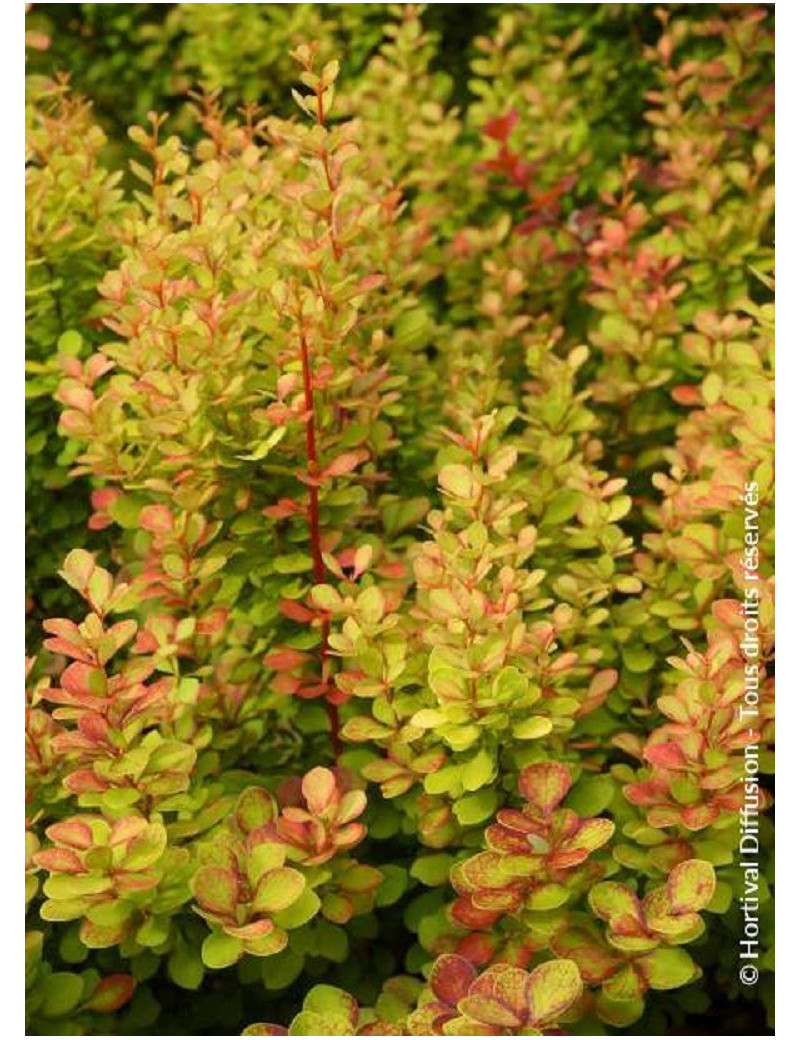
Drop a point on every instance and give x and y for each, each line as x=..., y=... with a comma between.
x=70, y=342
x=509, y=685
x=561, y=507
x=254, y=809
x=293, y=563
x=325, y=597
x=78, y=567
x=532, y=729
x=432, y=870
x=60, y=993
x=311, y=1023
x=479, y=771
x=146, y=848
x=591, y=795
x=280, y=971
x=548, y=897
x=429, y=718
x=72, y=886
x=185, y=966
x=399, y=516
x=301, y=911
x=638, y=659
x=154, y=931
x=220, y=950
x=125, y=511
x=619, y=1013
x=475, y=808
x=331, y=938
x=667, y=968
x=412, y=330
x=266, y=446
x=33, y=955
x=328, y=1000
x=394, y=884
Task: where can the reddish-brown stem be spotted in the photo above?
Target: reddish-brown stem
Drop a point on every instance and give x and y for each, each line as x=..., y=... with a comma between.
x=313, y=524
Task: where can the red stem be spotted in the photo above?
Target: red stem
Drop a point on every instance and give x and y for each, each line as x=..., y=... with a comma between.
x=313, y=523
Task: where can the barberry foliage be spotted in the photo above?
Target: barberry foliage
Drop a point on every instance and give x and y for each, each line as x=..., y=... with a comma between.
x=400, y=516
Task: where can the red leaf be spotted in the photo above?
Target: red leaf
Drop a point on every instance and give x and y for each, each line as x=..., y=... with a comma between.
x=464, y=913
x=451, y=977
x=295, y=611
x=372, y=281
x=63, y=861
x=345, y=463
x=285, y=659
x=157, y=519
x=668, y=756
x=75, y=833
x=83, y=781
x=284, y=507
x=499, y=128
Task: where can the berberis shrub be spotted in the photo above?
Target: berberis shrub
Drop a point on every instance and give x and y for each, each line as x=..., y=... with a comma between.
x=399, y=516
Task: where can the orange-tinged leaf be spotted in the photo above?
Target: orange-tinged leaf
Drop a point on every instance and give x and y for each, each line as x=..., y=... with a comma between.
x=667, y=755
x=485, y=870
x=554, y=988
x=591, y=834
x=285, y=659
x=344, y=463
x=457, y=480
x=488, y=1012
x=255, y=808
x=691, y=886
x=278, y=889
x=506, y=985
x=463, y=1026
x=126, y=829
x=101, y=937
x=545, y=784
x=319, y=789
x=216, y=890
x=595, y=962
x=157, y=519
x=251, y=931
x=110, y=994
x=617, y=904
x=64, y=861
x=75, y=833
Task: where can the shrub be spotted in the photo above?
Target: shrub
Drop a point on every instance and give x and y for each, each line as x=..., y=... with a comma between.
x=71, y=200
x=419, y=437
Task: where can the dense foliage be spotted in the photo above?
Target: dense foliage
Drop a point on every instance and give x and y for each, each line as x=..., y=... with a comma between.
x=400, y=400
